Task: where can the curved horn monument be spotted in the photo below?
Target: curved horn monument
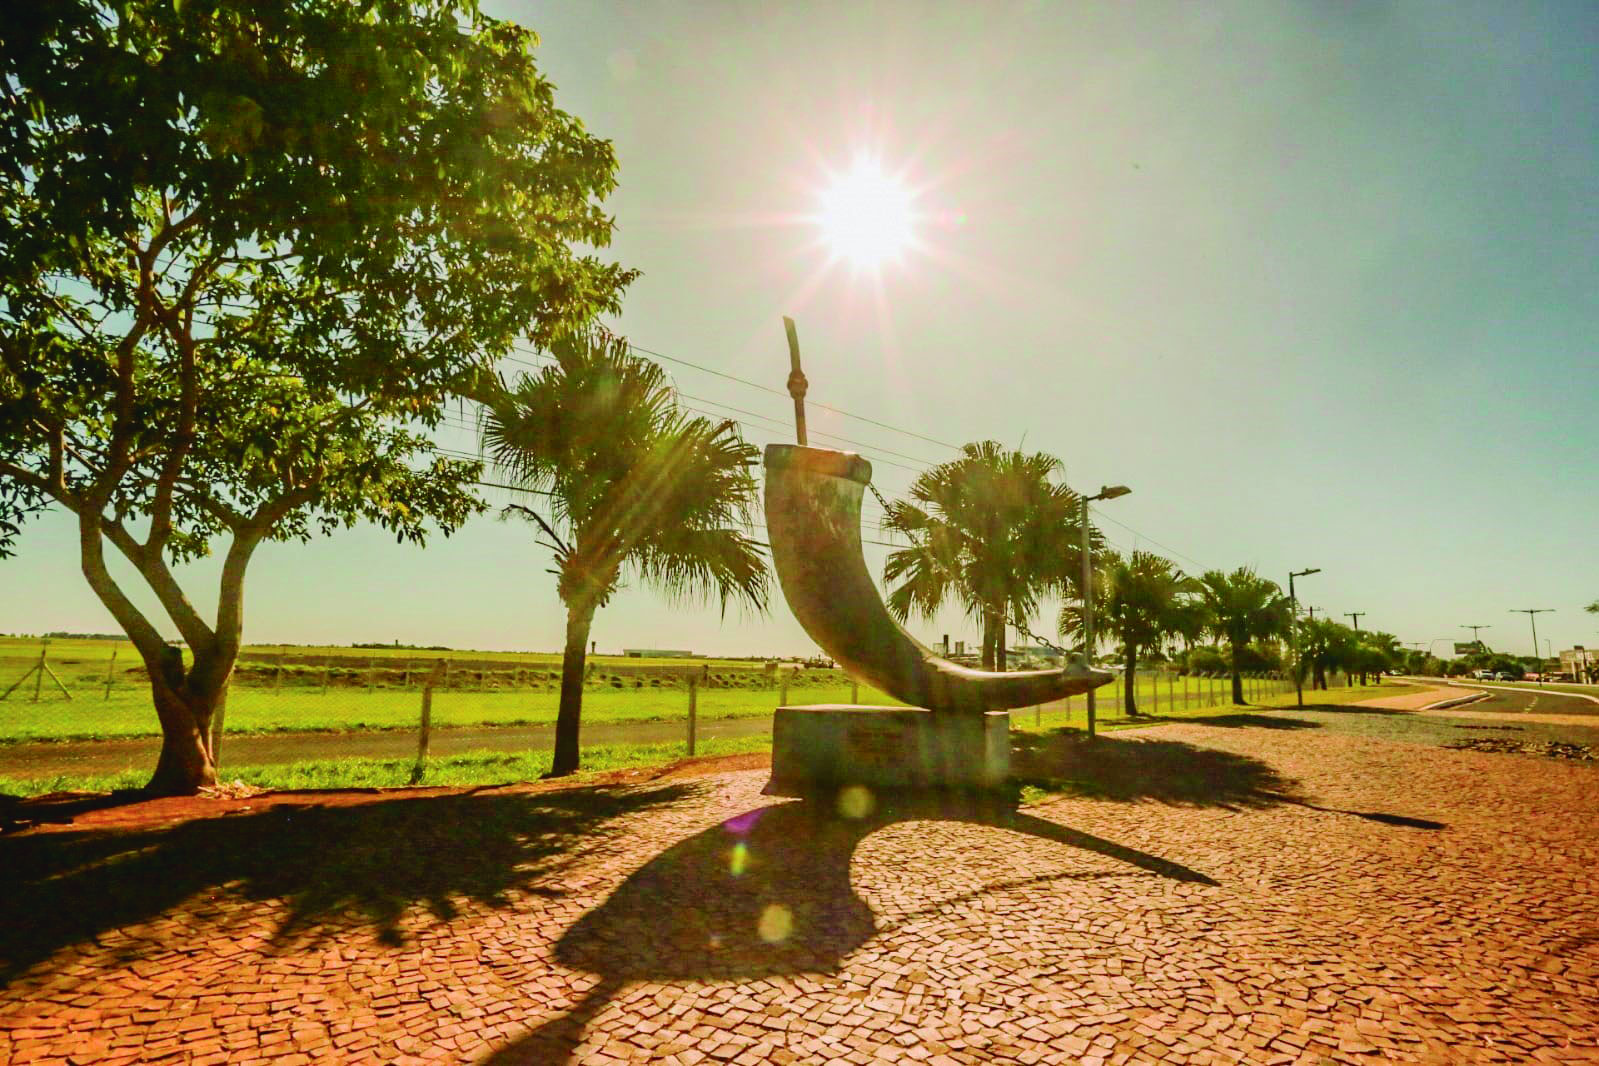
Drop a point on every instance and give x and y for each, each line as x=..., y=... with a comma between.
x=956, y=731
x=813, y=517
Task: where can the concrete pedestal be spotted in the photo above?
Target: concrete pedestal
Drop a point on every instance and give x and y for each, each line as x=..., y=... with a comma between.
x=828, y=746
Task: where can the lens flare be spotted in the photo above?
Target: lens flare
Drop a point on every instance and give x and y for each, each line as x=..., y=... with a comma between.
x=855, y=802
x=776, y=924
x=738, y=859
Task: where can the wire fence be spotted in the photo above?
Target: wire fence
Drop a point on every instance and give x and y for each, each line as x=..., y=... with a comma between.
x=308, y=704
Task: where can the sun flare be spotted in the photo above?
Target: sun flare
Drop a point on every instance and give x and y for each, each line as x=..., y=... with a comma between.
x=866, y=216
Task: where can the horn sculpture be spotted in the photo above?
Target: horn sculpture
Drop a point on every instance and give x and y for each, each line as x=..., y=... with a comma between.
x=813, y=518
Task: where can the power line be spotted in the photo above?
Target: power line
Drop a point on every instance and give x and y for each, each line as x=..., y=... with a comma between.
x=847, y=414
x=812, y=403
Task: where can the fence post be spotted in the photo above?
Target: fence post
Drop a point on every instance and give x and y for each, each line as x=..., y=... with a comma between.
x=424, y=730
x=38, y=677
x=109, y=668
x=693, y=709
x=854, y=691
x=371, y=674
x=1154, y=693
x=277, y=674
x=327, y=673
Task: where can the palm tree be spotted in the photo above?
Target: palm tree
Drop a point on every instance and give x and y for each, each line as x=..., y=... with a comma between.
x=1384, y=654
x=991, y=529
x=1327, y=645
x=1243, y=606
x=1142, y=599
x=628, y=484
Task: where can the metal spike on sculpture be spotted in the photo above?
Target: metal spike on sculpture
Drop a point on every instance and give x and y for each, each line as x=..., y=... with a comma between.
x=813, y=518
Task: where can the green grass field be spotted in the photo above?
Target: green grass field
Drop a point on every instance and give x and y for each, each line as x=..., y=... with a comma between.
x=306, y=692
x=488, y=768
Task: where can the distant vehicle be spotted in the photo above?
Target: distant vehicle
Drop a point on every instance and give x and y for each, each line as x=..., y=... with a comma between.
x=1483, y=675
x=1503, y=675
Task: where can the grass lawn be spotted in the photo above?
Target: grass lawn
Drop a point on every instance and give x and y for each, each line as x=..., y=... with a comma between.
x=262, y=710
x=469, y=768
x=486, y=768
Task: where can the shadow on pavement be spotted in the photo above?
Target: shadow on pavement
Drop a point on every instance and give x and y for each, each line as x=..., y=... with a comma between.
x=765, y=893
x=22, y=812
x=1236, y=721
x=335, y=867
x=1127, y=769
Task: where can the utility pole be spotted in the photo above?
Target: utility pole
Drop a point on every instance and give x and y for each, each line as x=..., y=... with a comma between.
x=1106, y=492
x=1312, y=609
x=1293, y=633
x=1477, y=640
x=1355, y=616
x=1532, y=614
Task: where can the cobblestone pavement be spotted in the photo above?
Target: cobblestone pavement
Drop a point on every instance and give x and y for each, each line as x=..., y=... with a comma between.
x=1277, y=893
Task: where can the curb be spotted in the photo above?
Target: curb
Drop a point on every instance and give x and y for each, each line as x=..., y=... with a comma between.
x=1458, y=701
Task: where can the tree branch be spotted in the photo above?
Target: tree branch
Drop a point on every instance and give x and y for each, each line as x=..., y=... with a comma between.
x=91, y=548
x=152, y=566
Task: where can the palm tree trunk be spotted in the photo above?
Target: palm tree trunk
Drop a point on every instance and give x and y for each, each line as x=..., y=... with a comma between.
x=579, y=617
x=1000, y=660
x=1238, y=678
x=1130, y=678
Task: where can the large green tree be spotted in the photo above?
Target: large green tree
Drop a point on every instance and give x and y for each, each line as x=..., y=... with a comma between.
x=993, y=530
x=1241, y=607
x=1140, y=600
x=246, y=252
x=623, y=481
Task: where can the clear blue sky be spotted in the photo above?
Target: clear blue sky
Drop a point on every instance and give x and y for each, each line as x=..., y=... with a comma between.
x=1319, y=281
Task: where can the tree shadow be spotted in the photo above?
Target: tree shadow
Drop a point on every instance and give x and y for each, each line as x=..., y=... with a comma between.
x=1168, y=771
x=336, y=868
x=1235, y=721
x=763, y=894
x=24, y=812
x=1069, y=762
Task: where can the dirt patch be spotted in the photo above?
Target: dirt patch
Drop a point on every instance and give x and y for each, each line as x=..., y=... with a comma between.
x=1549, y=749
x=67, y=811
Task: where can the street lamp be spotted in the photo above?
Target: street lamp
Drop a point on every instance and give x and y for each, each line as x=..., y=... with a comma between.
x=1293, y=634
x=1532, y=614
x=1106, y=492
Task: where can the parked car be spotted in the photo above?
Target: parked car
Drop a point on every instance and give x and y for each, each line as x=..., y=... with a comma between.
x=1503, y=675
x=1482, y=675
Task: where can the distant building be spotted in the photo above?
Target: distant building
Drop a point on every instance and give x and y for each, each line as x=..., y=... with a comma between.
x=657, y=653
x=1578, y=662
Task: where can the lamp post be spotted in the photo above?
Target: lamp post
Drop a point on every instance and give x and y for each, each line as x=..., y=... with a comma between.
x=1532, y=614
x=1106, y=492
x=1481, y=647
x=1293, y=633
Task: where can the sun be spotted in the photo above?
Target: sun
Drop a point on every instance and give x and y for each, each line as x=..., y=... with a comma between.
x=867, y=217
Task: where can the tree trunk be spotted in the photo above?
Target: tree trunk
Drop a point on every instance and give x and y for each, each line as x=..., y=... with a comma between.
x=1238, y=678
x=1001, y=663
x=185, y=705
x=570, y=714
x=1129, y=701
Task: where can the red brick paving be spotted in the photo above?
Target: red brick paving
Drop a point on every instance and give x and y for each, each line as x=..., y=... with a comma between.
x=1264, y=922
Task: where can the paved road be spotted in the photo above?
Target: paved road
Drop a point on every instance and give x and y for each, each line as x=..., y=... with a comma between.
x=1530, y=701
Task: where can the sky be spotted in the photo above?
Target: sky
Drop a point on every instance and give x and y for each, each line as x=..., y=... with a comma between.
x=1319, y=281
